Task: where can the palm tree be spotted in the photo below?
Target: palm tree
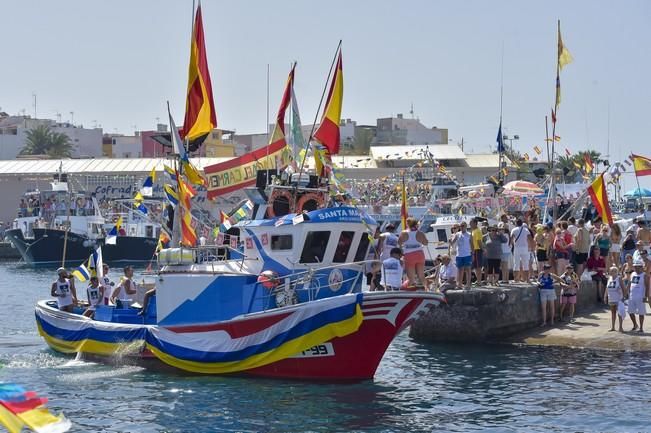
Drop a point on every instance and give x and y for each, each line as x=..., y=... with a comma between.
x=60, y=145
x=43, y=141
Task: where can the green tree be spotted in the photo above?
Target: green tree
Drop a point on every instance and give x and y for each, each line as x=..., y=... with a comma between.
x=43, y=141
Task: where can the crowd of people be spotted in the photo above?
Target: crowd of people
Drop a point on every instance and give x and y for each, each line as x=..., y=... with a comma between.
x=524, y=250
x=379, y=193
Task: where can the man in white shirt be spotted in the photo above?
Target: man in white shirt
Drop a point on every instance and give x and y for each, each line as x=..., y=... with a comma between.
x=447, y=274
x=521, y=238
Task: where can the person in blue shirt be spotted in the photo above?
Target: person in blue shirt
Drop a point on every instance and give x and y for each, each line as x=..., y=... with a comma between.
x=547, y=293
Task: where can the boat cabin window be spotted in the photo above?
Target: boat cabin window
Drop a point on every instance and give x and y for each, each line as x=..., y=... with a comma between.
x=315, y=247
x=343, y=246
x=362, y=249
x=281, y=242
x=442, y=235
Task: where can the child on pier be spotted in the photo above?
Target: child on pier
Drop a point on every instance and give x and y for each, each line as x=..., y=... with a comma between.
x=615, y=295
x=569, y=290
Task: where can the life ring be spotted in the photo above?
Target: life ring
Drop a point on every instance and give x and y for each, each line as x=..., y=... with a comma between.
x=280, y=203
x=309, y=202
x=268, y=279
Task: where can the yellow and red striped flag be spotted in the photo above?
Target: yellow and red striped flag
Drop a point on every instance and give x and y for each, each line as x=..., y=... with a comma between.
x=589, y=166
x=328, y=132
x=642, y=165
x=526, y=157
x=537, y=150
x=599, y=196
x=200, y=116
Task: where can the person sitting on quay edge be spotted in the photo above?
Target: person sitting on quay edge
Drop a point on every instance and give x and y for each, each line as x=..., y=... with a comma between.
x=64, y=290
x=392, y=271
x=447, y=274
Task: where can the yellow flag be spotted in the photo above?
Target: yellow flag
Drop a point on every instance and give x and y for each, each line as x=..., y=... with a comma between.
x=564, y=56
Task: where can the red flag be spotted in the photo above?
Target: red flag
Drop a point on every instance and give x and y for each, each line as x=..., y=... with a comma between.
x=553, y=116
x=598, y=194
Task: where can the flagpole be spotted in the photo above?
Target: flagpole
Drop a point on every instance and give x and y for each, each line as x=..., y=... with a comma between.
x=549, y=163
x=316, y=116
x=552, y=185
x=500, y=177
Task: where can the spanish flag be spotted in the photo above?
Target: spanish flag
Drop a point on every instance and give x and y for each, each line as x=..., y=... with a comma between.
x=328, y=132
x=599, y=197
x=200, y=117
x=642, y=165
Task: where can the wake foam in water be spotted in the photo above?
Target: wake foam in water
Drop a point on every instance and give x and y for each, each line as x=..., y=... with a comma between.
x=101, y=375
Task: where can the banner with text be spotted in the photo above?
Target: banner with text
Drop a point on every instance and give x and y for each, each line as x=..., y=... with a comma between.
x=241, y=172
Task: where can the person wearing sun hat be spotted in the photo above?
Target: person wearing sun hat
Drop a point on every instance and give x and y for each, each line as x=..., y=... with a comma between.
x=639, y=290
x=64, y=290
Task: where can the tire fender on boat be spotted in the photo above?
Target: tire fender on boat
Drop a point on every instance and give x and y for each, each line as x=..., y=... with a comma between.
x=309, y=202
x=278, y=195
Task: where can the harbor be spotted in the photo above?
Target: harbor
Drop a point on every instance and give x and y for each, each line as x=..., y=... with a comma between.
x=229, y=227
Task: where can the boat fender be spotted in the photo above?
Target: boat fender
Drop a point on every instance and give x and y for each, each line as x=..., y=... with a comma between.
x=309, y=202
x=283, y=197
x=268, y=279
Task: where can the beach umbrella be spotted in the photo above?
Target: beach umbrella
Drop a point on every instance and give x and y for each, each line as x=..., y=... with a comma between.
x=523, y=187
x=637, y=192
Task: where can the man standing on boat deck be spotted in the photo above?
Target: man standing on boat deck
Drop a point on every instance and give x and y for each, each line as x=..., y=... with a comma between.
x=64, y=290
x=388, y=241
x=127, y=288
x=107, y=284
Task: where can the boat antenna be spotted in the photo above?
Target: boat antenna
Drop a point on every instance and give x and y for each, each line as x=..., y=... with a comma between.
x=316, y=116
x=501, y=139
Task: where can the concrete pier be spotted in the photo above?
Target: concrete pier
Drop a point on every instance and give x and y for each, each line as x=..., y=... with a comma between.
x=590, y=330
x=485, y=314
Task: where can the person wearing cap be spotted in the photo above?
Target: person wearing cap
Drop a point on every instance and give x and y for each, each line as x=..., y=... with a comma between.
x=639, y=290
x=392, y=270
x=64, y=290
x=639, y=249
x=447, y=275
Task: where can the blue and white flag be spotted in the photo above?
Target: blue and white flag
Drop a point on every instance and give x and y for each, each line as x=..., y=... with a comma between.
x=148, y=185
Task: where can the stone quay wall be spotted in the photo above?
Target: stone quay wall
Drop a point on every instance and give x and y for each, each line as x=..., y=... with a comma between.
x=484, y=314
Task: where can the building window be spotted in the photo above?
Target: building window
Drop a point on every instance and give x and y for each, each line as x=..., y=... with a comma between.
x=315, y=247
x=281, y=242
x=343, y=246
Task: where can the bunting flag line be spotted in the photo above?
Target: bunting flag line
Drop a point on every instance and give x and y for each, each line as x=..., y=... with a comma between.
x=526, y=156
x=188, y=235
x=537, y=150
x=148, y=185
x=641, y=165
x=328, y=131
x=599, y=195
x=192, y=173
x=557, y=138
x=186, y=192
x=577, y=165
x=567, y=152
x=163, y=240
x=200, y=116
x=112, y=236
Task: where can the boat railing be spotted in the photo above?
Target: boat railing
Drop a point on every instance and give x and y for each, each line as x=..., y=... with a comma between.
x=305, y=285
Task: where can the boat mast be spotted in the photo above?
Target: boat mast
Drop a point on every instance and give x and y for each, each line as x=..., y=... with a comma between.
x=500, y=150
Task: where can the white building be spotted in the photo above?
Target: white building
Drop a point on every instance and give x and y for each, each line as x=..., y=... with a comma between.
x=410, y=132
x=126, y=146
x=87, y=143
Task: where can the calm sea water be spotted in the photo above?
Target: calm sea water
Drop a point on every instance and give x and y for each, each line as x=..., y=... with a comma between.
x=417, y=387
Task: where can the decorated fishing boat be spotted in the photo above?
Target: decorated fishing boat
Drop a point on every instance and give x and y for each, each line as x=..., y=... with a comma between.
x=292, y=306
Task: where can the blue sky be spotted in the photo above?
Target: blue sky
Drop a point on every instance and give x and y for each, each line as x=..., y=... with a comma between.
x=117, y=63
